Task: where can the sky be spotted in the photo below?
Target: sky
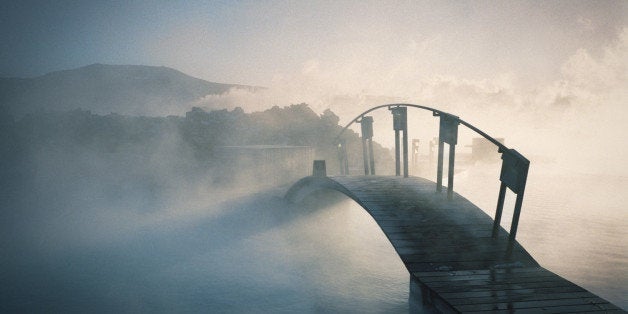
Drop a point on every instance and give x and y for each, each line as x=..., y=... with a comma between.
x=524, y=70
x=256, y=42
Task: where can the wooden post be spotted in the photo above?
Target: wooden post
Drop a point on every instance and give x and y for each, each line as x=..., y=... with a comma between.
x=400, y=123
x=450, y=178
x=514, y=175
x=415, y=155
x=405, y=152
x=447, y=133
x=319, y=169
x=515, y=217
x=367, y=140
x=346, y=159
x=365, y=157
x=397, y=153
x=342, y=157
x=439, y=167
x=498, y=211
x=372, y=156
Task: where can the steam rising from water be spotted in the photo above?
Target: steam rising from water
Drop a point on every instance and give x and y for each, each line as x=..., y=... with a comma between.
x=239, y=255
x=574, y=119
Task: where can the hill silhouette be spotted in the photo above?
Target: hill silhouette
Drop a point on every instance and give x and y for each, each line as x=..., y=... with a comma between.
x=102, y=89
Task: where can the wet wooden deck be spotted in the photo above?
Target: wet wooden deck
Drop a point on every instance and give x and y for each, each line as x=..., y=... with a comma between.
x=447, y=247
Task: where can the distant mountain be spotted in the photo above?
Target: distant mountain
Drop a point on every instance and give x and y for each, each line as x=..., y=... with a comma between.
x=123, y=89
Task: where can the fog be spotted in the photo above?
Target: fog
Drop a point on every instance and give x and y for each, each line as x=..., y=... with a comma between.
x=138, y=220
x=574, y=119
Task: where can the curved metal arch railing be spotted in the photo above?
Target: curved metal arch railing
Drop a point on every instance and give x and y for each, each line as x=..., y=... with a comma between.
x=434, y=111
x=514, y=170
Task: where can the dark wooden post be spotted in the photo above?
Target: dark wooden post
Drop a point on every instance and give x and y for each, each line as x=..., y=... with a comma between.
x=498, y=211
x=319, y=169
x=448, y=133
x=372, y=156
x=439, y=166
x=400, y=123
x=367, y=140
x=405, y=150
x=514, y=175
x=450, y=177
x=346, y=158
x=397, y=153
x=342, y=157
x=415, y=154
x=515, y=216
x=365, y=156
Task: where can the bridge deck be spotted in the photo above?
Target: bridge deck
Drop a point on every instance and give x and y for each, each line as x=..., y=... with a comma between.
x=447, y=247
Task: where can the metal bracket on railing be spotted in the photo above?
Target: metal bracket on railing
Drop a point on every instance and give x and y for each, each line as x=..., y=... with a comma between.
x=448, y=133
x=514, y=174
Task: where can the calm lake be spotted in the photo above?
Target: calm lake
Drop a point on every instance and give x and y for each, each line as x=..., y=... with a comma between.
x=255, y=253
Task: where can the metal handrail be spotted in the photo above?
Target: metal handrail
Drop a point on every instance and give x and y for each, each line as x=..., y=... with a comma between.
x=514, y=169
x=434, y=111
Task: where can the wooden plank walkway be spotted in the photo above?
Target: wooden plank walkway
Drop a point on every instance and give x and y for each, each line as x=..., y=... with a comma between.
x=447, y=247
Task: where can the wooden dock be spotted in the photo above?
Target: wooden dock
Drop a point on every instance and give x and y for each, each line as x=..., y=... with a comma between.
x=447, y=247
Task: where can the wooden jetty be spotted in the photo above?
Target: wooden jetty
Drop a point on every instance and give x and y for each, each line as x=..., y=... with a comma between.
x=446, y=244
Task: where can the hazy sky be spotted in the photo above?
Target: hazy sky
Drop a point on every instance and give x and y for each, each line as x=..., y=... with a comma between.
x=256, y=42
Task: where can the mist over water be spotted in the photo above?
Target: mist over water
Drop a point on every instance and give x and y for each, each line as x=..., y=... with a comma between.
x=143, y=226
x=250, y=254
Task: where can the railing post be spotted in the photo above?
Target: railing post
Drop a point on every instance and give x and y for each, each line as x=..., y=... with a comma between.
x=342, y=157
x=450, y=177
x=365, y=159
x=400, y=123
x=415, y=154
x=498, y=211
x=319, y=169
x=514, y=175
x=397, y=153
x=405, y=150
x=448, y=133
x=367, y=140
x=372, y=156
x=515, y=216
x=439, y=167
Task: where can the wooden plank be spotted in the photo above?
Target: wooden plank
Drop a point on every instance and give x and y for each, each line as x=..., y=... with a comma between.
x=503, y=286
x=489, y=281
x=484, y=274
x=522, y=297
x=490, y=293
x=587, y=308
x=533, y=304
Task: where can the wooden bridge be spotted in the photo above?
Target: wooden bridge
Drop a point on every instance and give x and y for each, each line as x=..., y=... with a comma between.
x=459, y=258
x=448, y=248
